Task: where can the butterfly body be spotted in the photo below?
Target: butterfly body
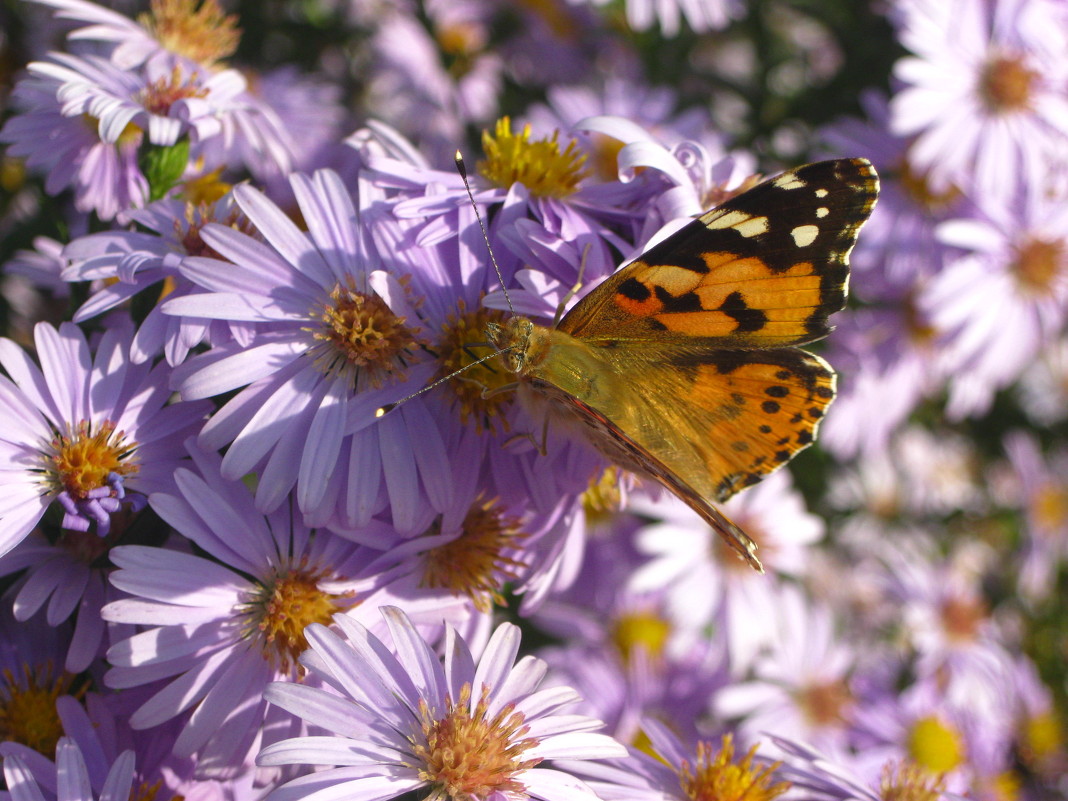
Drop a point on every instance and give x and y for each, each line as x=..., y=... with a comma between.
x=683, y=366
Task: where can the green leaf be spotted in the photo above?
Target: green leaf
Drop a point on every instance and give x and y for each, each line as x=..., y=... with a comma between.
x=163, y=167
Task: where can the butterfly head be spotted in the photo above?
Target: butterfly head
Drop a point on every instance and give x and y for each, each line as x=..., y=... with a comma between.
x=512, y=339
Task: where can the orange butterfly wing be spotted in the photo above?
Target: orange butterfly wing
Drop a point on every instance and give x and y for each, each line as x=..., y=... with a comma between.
x=681, y=365
x=763, y=270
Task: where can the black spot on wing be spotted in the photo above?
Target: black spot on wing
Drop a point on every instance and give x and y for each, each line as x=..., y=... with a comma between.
x=686, y=302
x=635, y=290
x=748, y=319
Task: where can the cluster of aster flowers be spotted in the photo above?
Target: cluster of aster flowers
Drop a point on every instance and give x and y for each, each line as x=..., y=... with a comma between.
x=224, y=574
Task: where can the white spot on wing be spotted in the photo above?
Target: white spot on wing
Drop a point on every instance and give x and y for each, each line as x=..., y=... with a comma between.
x=821, y=192
x=754, y=226
x=822, y=212
x=805, y=235
x=789, y=180
x=727, y=219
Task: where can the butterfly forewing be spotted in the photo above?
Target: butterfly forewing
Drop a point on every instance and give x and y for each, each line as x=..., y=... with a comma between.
x=765, y=269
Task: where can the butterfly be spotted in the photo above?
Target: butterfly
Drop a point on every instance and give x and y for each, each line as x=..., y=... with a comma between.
x=683, y=366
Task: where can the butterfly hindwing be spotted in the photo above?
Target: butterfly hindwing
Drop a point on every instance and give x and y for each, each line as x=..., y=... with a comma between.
x=765, y=269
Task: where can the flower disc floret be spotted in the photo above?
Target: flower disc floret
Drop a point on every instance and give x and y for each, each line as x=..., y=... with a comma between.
x=84, y=462
x=362, y=331
x=717, y=777
x=539, y=164
x=469, y=753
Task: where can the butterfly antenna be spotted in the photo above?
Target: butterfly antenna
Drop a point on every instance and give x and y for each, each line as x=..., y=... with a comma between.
x=389, y=407
x=462, y=169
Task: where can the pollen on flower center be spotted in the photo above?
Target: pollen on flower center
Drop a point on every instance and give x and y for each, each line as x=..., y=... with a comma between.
x=1049, y=505
x=466, y=755
x=283, y=606
x=28, y=707
x=1007, y=84
x=824, y=704
x=162, y=93
x=204, y=35
x=919, y=190
x=475, y=563
x=908, y=782
x=539, y=165
x=1038, y=265
x=961, y=618
x=362, y=332
x=474, y=387
x=717, y=777
x=84, y=462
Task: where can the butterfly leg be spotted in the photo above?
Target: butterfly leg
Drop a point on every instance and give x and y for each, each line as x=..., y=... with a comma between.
x=574, y=289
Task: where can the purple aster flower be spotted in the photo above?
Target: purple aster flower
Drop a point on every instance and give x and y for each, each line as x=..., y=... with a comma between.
x=31, y=681
x=984, y=93
x=195, y=37
x=668, y=770
x=899, y=249
x=68, y=579
x=1040, y=491
x=654, y=108
x=694, y=176
x=41, y=266
x=334, y=329
x=624, y=651
x=89, y=430
x=69, y=780
x=1043, y=386
x=1017, y=263
x=815, y=777
x=889, y=362
x=157, y=105
x=800, y=687
x=218, y=630
x=708, y=15
x=125, y=263
x=705, y=583
x=410, y=87
x=401, y=720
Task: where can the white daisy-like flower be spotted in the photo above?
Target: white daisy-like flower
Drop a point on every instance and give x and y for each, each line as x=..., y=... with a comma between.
x=404, y=721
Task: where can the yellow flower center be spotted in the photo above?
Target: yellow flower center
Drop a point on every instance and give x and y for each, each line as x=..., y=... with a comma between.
x=283, y=606
x=83, y=460
x=206, y=188
x=1007, y=84
x=12, y=174
x=645, y=630
x=466, y=755
x=935, y=745
x=603, y=496
x=717, y=777
x=1049, y=506
x=475, y=563
x=474, y=388
x=538, y=164
x=28, y=707
x=361, y=333
x=1042, y=737
x=1039, y=264
x=204, y=35
x=148, y=792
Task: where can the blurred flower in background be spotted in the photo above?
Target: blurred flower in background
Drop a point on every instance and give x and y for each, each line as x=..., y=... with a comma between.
x=231, y=232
